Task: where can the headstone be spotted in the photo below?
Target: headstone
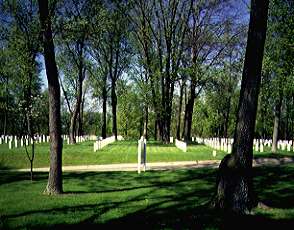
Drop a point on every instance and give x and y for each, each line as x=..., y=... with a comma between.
x=256, y=147
x=15, y=143
x=225, y=147
x=283, y=146
x=0, y=140
x=27, y=142
x=21, y=142
x=214, y=153
x=171, y=139
x=261, y=147
x=229, y=148
x=288, y=147
x=10, y=144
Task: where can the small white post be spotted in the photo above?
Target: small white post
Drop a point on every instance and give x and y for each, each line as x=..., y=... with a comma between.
x=139, y=156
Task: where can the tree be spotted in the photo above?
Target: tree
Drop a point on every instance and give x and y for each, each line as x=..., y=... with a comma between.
x=234, y=183
x=279, y=60
x=54, y=185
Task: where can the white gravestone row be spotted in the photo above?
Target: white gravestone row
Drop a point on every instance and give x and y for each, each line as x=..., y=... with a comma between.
x=225, y=145
x=15, y=142
x=181, y=145
x=99, y=144
x=222, y=144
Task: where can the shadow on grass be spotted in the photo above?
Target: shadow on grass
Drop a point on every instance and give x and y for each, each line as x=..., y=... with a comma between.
x=175, y=200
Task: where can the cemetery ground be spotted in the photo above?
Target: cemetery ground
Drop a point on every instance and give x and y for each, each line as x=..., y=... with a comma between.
x=117, y=152
x=151, y=200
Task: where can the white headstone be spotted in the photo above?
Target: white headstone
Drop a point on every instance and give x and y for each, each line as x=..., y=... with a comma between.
x=21, y=142
x=15, y=143
x=214, y=153
x=261, y=147
x=10, y=144
x=229, y=148
x=225, y=147
x=256, y=147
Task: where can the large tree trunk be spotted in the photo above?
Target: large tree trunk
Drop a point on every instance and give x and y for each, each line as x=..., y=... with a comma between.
x=189, y=113
x=180, y=111
x=76, y=111
x=104, y=107
x=234, y=183
x=54, y=185
x=278, y=107
x=114, y=104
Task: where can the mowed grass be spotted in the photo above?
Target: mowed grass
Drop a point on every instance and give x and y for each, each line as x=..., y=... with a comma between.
x=118, y=152
x=151, y=200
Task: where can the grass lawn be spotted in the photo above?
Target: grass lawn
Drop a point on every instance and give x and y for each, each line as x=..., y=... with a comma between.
x=126, y=200
x=118, y=152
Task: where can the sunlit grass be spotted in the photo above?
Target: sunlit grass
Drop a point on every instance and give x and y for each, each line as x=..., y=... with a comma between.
x=118, y=152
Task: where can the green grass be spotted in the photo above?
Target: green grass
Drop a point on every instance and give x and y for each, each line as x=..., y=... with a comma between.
x=126, y=200
x=118, y=152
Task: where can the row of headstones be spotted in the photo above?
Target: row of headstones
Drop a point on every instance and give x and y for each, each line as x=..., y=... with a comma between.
x=15, y=142
x=225, y=144
x=181, y=145
x=99, y=144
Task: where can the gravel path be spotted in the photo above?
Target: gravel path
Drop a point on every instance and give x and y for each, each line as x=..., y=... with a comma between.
x=157, y=165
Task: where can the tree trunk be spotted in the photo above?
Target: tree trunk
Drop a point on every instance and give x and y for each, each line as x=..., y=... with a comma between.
x=145, y=131
x=189, y=113
x=75, y=113
x=234, y=192
x=114, y=104
x=227, y=115
x=278, y=107
x=104, y=107
x=54, y=185
x=180, y=112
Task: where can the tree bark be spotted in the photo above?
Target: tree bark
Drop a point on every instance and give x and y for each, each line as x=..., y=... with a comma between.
x=227, y=115
x=180, y=111
x=104, y=107
x=114, y=104
x=189, y=113
x=234, y=192
x=54, y=185
x=278, y=107
x=145, y=131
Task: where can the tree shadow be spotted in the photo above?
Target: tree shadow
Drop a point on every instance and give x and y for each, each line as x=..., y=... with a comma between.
x=176, y=200
x=274, y=186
